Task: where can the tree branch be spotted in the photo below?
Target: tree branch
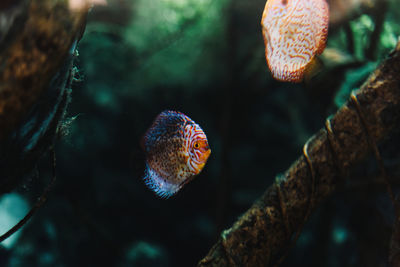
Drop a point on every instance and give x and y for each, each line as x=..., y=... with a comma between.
x=34, y=55
x=37, y=45
x=262, y=235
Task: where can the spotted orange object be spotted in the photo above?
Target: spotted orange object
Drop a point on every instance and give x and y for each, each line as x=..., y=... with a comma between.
x=176, y=151
x=294, y=32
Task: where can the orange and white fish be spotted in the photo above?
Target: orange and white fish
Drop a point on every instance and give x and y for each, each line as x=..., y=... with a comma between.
x=294, y=31
x=176, y=150
x=83, y=5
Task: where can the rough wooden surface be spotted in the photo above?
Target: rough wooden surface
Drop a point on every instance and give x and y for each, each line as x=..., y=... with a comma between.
x=38, y=51
x=37, y=41
x=262, y=235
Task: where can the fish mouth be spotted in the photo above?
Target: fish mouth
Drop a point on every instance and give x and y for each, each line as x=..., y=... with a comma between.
x=203, y=160
x=207, y=149
x=205, y=155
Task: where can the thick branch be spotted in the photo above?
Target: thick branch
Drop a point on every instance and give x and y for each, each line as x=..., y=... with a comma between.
x=39, y=46
x=262, y=235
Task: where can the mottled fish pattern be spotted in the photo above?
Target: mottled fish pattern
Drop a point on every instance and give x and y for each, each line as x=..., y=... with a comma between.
x=294, y=32
x=176, y=150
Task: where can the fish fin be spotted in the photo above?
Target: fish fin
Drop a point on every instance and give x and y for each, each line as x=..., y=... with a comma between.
x=165, y=125
x=158, y=184
x=312, y=69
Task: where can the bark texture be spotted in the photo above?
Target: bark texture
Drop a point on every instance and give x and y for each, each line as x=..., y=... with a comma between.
x=33, y=57
x=263, y=234
x=37, y=44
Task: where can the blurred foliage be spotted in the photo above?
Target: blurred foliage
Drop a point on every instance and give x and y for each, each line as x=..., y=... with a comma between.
x=353, y=80
x=162, y=34
x=206, y=59
x=14, y=207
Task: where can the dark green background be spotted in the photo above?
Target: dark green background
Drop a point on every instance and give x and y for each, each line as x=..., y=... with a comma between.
x=204, y=58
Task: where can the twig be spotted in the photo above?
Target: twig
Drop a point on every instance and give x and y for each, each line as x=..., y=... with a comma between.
x=38, y=203
x=379, y=15
x=349, y=38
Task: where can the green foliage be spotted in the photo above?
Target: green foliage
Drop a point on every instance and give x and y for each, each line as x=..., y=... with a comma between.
x=13, y=207
x=167, y=43
x=362, y=29
x=353, y=80
x=175, y=33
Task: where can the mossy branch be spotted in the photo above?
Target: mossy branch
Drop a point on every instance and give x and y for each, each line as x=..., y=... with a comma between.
x=263, y=234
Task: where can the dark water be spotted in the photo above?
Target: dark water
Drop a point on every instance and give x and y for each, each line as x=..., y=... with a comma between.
x=206, y=59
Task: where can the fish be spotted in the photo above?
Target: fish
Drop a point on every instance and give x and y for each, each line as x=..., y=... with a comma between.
x=84, y=5
x=176, y=150
x=294, y=32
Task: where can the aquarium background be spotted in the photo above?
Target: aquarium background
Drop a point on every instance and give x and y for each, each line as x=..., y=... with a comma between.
x=206, y=59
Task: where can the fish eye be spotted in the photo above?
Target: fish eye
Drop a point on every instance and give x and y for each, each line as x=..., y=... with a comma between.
x=196, y=145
